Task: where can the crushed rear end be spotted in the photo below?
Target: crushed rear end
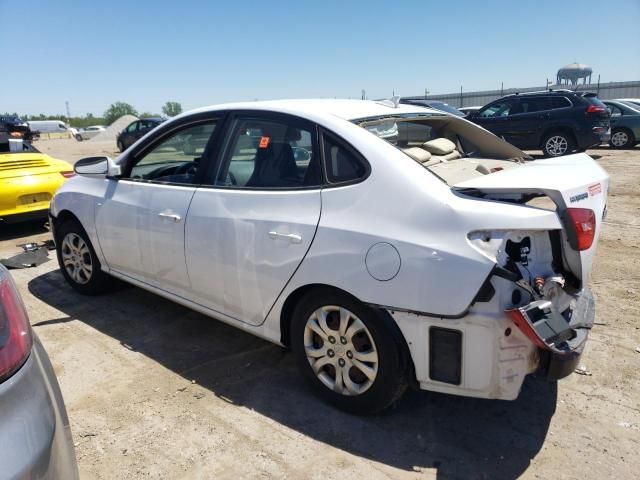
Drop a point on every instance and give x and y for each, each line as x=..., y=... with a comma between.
x=544, y=272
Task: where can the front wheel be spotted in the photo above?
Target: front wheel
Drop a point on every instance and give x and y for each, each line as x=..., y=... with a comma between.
x=557, y=144
x=78, y=137
x=120, y=146
x=622, y=138
x=78, y=261
x=353, y=355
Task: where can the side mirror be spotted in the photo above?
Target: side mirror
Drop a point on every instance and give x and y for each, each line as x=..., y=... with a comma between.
x=97, y=166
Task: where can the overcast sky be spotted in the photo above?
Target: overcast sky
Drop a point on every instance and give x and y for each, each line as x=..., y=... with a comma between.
x=205, y=52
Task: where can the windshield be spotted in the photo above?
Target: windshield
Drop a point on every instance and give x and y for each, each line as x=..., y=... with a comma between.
x=631, y=104
x=10, y=119
x=445, y=107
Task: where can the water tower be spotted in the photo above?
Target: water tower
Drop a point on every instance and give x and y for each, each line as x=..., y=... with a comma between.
x=572, y=73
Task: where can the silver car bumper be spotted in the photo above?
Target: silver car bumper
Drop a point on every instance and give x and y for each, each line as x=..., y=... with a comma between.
x=35, y=437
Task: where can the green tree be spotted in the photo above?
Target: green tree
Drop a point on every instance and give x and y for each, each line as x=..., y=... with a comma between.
x=117, y=110
x=171, y=109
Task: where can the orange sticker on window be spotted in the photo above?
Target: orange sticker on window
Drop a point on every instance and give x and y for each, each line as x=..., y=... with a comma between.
x=264, y=142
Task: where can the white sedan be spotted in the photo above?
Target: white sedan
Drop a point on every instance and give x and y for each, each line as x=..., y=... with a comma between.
x=386, y=245
x=88, y=133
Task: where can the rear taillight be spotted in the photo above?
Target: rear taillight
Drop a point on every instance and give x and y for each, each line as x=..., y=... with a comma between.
x=15, y=331
x=596, y=109
x=584, y=223
x=68, y=174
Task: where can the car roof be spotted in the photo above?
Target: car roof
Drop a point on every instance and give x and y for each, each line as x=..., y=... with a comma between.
x=153, y=119
x=342, y=108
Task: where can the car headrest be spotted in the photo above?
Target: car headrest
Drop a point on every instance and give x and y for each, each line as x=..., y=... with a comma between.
x=417, y=153
x=439, y=146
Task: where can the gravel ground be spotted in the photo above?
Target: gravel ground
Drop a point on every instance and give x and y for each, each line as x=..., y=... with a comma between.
x=155, y=390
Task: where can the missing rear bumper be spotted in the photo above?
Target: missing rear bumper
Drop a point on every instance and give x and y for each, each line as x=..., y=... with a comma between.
x=561, y=340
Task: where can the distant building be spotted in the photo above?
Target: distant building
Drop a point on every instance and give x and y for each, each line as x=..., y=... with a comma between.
x=572, y=73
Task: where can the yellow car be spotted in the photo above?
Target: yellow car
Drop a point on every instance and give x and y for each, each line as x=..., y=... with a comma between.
x=28, y=180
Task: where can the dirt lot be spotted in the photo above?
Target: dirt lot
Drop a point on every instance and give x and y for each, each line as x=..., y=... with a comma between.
x=155, y=390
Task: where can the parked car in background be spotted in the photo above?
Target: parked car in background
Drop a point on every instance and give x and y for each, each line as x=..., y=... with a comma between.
x=89, y=132
x=136, y=130
x=634, y=101
x=557, y=121
x=428, y=265
x=625, y=123
x=28, y=180
x=443, y=107
x=468, y=110
x=15, y=127
x=34, y=432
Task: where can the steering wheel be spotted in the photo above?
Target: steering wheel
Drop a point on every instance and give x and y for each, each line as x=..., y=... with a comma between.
x=188, y=168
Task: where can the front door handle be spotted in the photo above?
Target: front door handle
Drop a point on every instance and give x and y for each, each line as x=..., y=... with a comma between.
x=171, y=216
x=292, y=237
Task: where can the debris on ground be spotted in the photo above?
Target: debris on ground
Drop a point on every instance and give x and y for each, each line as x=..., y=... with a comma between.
x=582, y=370
x=33, y=254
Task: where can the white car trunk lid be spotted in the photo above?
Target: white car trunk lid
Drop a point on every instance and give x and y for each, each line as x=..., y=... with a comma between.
x=572, y=182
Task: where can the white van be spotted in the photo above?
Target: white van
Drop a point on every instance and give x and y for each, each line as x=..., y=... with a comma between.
x=48, y=126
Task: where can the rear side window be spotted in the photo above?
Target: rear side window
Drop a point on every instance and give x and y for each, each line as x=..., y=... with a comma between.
x=560, y=102
x=593, y=100
x=533, y=104
x=342, y=163
x=271, y=153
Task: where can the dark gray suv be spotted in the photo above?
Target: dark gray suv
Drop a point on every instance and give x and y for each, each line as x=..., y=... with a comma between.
x=35, y=437
x=558, y=122
x=136, y=130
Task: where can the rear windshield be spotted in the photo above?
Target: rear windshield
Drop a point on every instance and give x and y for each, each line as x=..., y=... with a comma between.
x=593, y=100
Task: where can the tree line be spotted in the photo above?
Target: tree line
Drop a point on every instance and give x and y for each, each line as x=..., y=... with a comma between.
x=115, y=111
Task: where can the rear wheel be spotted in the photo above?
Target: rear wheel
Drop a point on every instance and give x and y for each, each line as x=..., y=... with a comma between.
x=120, y=146
x=78, y=137
x=622, y=138
x=557, y=144
x=349, y=352
x=78, y=261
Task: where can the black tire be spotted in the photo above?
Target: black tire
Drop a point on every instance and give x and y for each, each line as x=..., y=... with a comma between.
x=393, y=364
x=623, y=133
x=553, y=142
x=121, y=146
x=97, y=282
x=78, y=137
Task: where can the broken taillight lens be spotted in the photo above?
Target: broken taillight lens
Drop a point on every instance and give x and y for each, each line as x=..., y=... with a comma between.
x=15, y=331
x=584, y=222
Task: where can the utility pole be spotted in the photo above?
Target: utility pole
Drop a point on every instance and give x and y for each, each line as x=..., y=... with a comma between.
x=364, y=94
x=461, y=105
x=502, y=89
x=66, y=104
x=426, y=92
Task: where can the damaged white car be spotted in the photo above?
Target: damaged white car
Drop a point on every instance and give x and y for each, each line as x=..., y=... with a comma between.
x=386, y=245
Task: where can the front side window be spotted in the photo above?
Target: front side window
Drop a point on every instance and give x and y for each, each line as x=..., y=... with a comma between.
x=270, y=153
x=498, y=109
x=133, y=127
x=176, y=158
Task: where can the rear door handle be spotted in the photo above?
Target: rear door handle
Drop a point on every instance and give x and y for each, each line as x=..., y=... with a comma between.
x=171, y=216
x=292, y=237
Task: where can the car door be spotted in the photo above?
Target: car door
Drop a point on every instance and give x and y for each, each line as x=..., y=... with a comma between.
x=140, y=222
x=252, y=224
x=128, y=136
x=526, y=121
x=495, y=116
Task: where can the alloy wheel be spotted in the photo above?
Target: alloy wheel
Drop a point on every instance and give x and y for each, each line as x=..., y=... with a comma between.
x=76, y=258
x=619, y=139
x=341, y=350
x=556, y=145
